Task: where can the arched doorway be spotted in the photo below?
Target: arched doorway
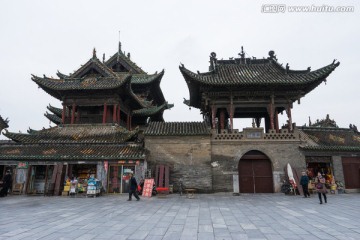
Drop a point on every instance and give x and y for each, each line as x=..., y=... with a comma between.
x=255, y=173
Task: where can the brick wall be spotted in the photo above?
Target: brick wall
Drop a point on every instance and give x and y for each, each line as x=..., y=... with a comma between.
x=226, y=156
x=188, y=158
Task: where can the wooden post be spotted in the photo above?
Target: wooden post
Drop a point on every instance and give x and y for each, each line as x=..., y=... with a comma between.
x=105, y=112
x=118, y=113
x=288, y=113
x=277, y=120
x=73, y=113
x=213, y=113
x=114, y=113
x=222, y=119
x=63, y=114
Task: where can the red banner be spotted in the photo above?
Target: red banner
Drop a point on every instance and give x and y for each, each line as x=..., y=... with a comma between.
x=148, y=186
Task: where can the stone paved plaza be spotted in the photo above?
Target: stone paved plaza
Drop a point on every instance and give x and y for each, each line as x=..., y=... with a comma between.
x=210, y=216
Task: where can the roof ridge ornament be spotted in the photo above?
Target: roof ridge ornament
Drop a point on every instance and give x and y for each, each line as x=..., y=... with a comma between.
x=272, y=55
x=94, y=53
x=213, y=61
x=242, y=53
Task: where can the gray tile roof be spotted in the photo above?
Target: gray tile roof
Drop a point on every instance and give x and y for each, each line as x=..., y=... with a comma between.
x=76, y=133
x=71, y=152
x=177, y=129
x=329, y=139
x=269, y=73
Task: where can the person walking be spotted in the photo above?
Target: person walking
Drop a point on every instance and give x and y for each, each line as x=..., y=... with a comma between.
x=6, y=184
x=320, y=187
x=133, y=188
x=304, y=182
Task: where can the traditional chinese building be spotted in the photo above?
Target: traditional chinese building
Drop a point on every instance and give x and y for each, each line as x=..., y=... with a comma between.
x=111, y=122
x=104, y=106
x=247, y=161
x=332, y=151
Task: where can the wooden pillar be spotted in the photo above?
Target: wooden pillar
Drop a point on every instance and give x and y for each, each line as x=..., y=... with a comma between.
x=288, y=113
x=77, y=115
x=119, y=114
x=258, y=122
x=222, y=118
x=213, y=113
x=271, y=112
x=271, y=115
x=104, y=114
x=276, y=120
x=114, y=113
x=63, y=114
x=73, y=113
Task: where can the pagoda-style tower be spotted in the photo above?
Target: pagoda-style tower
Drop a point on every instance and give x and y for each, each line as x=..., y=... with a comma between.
x=115, y=91
x=104, y=105
x=250, y=88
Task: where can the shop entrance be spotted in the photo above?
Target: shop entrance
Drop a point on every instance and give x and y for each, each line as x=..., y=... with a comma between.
x=119, y=178
x=319, y=164
x=3, y=169
x=39, y=177
x=255, y=173
x=82, y=173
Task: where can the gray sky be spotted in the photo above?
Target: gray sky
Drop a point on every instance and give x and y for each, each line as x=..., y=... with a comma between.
x=41, y=37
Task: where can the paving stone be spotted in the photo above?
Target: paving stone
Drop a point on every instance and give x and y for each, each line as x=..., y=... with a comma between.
x=209, y=216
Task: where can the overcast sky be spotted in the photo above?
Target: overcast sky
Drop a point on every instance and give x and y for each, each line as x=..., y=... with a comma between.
x=41, y=37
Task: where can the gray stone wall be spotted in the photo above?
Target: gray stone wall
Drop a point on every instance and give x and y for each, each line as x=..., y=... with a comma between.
x=188, y=158
x=226, y=156
x=338, y=168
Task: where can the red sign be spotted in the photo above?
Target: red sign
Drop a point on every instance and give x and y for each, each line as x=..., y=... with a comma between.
x=148, y=186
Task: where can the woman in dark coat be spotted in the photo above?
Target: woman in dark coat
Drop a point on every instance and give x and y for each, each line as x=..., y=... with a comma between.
x=6, y=184
x=320, y=187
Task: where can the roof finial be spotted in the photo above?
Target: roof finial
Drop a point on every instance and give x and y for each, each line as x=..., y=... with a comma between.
x=272, y=55
x=242, y=53
x=103, y=57
x=94, y=53
x=119, y=49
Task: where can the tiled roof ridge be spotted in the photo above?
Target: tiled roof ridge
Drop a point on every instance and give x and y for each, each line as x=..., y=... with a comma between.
x=64, y=134
x=152, y=109
x=97, y=62
x=177, y=128
x=325, y=129
x=124, y=58
x=53, y=118
x=55, y=110
x=149, y=78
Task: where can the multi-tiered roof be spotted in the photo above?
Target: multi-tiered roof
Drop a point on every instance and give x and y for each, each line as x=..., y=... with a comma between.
x=117, y=76
x=117, y=82
x=251, y=78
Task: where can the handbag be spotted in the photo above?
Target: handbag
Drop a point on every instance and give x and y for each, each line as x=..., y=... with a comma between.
x=319, y=186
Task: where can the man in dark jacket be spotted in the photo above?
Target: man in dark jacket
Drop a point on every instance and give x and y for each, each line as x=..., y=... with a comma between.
x=304, y=181
x=133, y=187
x=6, y=184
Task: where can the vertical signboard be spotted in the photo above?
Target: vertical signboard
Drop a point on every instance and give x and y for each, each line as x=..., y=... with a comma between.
x=148, y=186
